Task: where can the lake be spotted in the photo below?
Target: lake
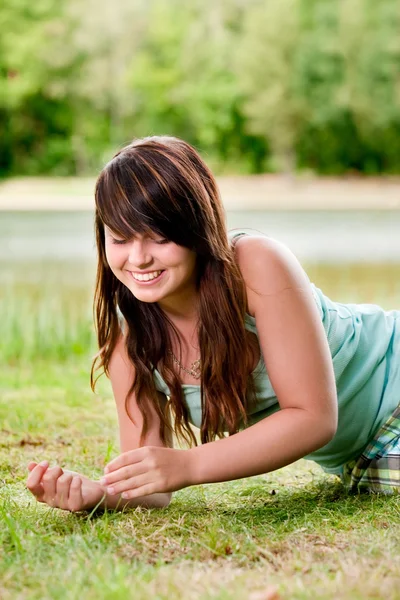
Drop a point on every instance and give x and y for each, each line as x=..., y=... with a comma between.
x=314, y=236
x=47, y=269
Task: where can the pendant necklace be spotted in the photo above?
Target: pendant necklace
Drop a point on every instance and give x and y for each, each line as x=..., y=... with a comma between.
x=195, y=367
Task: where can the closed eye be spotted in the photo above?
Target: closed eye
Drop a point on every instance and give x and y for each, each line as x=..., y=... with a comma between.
x=116, y=241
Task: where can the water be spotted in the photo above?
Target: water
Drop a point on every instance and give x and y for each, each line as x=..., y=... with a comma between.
x=47, y=268
x=314, y=236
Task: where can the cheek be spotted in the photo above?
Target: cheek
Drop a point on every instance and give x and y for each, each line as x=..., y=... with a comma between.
x=112, y=256
x=175, y=258
x=186, y=264
x=110, y=260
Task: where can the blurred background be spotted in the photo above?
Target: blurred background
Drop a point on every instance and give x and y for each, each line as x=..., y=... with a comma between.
x=295, y=105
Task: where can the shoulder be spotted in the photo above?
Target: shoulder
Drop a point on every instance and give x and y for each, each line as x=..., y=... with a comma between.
x=268, y=267
x=120, y=364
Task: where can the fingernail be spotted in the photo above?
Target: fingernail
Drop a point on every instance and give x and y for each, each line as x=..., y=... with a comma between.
x=44, y=463
x=125, y=495
x=103, y=481
x=106, y=469
x=111, y=490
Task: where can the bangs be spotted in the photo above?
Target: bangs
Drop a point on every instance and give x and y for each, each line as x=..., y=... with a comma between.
x=139, y=200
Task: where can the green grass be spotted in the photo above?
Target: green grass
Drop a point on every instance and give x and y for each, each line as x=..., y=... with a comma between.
x=49, y=314
x=295, y=528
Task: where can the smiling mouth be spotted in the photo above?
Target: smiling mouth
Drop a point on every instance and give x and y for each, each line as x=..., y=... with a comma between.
x=146, y=277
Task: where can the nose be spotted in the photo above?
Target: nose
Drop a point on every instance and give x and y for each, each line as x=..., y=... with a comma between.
x=139, y=255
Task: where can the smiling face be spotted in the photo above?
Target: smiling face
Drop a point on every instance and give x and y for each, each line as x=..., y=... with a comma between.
x=159, y=222
x=153, y=268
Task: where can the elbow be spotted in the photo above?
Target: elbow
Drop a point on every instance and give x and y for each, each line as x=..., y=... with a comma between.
x=161, y=500
x=327, y=421
x=328, y=429
x=330, y=434
x=167, y=500
x=324, y=427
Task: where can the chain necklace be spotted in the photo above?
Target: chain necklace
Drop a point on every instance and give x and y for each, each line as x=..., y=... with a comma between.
x=195, y=367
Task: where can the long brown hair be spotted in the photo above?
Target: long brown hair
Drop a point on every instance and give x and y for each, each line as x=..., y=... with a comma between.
x=160, y=184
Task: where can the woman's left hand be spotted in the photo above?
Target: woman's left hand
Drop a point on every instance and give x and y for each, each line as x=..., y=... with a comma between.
x=148, y=470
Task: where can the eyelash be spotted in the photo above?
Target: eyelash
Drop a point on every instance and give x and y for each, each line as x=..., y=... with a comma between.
x=162, y=241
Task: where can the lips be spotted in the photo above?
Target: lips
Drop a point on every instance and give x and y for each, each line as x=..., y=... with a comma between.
x=147, y=278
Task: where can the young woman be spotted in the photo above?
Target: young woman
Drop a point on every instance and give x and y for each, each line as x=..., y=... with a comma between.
x=226, y=333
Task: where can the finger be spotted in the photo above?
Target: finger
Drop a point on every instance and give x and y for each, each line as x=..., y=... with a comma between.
x=130, y=457
x=128, y=484
x=144, y=490
x=31, y=466
x=62, y=490
x=75, y=501
x=123, y=473
x=50, y=484
x=34, y=482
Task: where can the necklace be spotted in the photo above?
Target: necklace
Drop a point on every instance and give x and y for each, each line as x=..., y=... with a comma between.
x=195, y=367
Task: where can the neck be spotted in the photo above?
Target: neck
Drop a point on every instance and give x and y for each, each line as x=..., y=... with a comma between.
x=181, y=308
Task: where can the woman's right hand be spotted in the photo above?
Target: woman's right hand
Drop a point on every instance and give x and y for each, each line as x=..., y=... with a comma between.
x=63, y=489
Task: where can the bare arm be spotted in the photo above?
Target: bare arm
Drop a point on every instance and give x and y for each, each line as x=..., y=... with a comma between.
x=299, y=364
x=73, y=491
x=121, y=376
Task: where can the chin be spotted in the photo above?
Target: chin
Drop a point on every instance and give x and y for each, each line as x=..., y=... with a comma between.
x=148, y=296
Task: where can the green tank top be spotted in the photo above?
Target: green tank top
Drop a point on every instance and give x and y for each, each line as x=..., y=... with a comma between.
x=364, y=341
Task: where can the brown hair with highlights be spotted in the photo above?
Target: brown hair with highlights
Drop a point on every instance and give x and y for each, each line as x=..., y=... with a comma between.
x=160, y=184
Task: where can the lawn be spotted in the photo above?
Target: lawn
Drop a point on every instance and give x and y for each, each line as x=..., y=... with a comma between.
x=295, y=529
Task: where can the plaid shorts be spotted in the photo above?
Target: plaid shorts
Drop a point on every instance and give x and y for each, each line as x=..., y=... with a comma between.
x=378, y=468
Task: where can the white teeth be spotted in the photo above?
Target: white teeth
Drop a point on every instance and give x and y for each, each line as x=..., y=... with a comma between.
x=146, y=276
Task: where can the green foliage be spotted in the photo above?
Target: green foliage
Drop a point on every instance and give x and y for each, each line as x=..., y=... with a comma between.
x=256, y=85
